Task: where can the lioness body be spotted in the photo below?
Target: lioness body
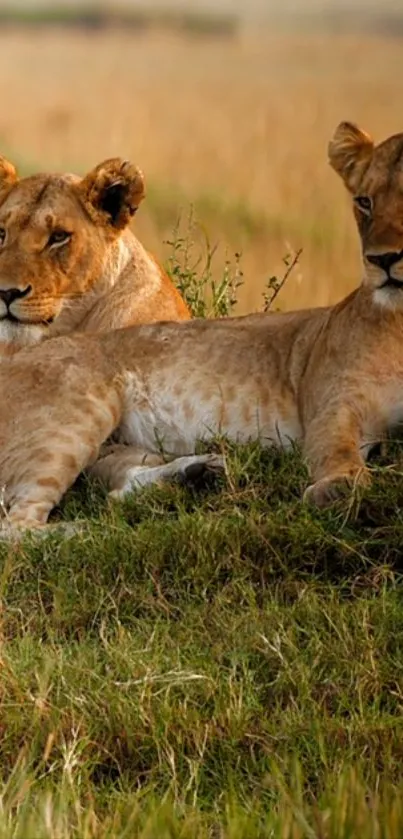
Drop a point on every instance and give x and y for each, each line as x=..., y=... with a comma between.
x=331, y=378
x=278, y=378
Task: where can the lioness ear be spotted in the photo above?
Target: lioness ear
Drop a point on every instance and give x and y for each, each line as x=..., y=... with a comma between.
x=350, y=153
x=112, y=192
x=8, y=177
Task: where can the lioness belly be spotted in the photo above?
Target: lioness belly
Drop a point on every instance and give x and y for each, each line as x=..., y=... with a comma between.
x=176, y=423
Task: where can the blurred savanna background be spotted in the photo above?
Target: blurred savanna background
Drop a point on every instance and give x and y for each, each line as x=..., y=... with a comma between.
x=227, y=107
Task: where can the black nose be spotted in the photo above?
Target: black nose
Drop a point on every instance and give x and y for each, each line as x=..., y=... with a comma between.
x=8, y=295
x=385, y=260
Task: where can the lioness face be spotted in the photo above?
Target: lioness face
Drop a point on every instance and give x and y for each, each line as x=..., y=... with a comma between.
x=374, y=177
x=56, y=232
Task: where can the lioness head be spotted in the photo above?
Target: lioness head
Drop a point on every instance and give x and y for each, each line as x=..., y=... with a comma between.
x=56, y=232
x=374, y=177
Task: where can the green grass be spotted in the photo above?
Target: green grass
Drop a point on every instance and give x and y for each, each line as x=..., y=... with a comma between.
x=218, y=661
x=92, y=17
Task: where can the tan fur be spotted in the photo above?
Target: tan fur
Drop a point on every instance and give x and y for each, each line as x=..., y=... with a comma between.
x=99, y=278
x=331, y=378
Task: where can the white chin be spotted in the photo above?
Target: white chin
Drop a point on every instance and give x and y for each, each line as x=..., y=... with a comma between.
x=388, y=298
x=22, y=334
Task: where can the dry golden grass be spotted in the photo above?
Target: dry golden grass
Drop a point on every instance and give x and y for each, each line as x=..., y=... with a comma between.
x=239, y=127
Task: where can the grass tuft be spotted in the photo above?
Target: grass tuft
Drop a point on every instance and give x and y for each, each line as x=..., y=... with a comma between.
x=190, y=266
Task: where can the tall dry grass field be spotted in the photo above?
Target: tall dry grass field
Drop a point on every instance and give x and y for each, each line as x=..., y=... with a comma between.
x=237, y=127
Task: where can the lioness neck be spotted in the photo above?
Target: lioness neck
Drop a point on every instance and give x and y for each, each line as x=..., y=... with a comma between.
x=131, y=289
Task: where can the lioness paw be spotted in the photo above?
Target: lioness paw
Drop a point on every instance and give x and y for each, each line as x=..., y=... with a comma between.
x=200, y=467
x=190, y=469
x=327, y=491
x=17, y=532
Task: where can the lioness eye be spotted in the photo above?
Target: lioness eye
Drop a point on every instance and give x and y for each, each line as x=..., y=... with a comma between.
x=364, y=203
x=2, y=235
x=58, y=237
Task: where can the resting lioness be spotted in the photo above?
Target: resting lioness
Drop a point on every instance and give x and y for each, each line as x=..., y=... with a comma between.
x=68, y=260
x=329, y=377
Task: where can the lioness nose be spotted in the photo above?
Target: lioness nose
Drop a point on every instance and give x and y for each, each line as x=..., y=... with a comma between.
x=385, y=260
x=10, y=294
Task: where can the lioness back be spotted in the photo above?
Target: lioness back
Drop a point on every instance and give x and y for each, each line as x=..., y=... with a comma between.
x=68, y=260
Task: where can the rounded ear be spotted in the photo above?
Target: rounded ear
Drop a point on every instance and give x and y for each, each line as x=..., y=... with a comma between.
x=350, y=153
x=112, y=192
x=8, y=177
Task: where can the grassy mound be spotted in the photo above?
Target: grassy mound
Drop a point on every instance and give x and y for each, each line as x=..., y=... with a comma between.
x=218, y=661
x=210, y=661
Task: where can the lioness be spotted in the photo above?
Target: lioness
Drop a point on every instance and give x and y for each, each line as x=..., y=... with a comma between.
x=68, y=260
x=330, y=377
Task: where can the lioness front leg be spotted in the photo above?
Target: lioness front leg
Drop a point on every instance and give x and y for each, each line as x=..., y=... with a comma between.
x=332, y=449
x=42, y=482
x=39, y=489
x=37, y=475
